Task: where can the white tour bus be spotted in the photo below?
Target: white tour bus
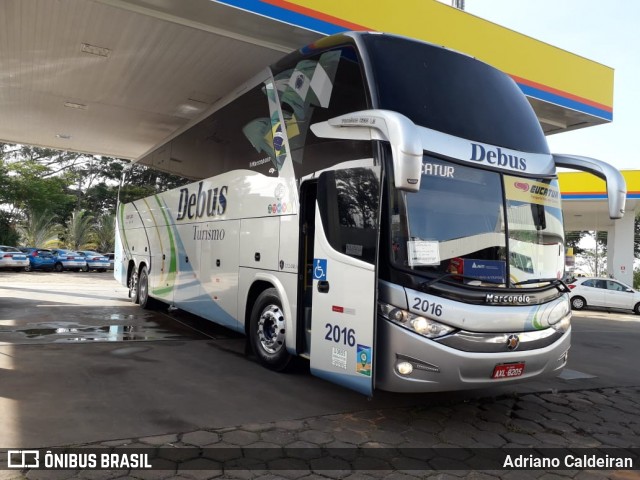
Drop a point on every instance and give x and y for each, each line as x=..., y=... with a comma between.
x=384, y=207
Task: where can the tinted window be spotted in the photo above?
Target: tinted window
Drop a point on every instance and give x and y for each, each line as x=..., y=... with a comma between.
x=589, y=283
x=452, y=93
x=238, y=136
x=349, y=206
x=616, y=286
x=315, y=89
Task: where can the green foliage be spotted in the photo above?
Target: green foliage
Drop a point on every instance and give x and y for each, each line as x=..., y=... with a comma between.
x=636, y=237
x=8, y=234
x=79, y=231
x=104, y=233
x=38, y=229
x=572, y=239
x=49, y=195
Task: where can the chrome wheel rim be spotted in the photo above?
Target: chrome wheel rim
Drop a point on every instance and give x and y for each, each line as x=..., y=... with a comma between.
x=271, y=329
x=143, y=288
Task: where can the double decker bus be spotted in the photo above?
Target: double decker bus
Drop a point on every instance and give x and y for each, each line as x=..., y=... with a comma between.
x=386, y=208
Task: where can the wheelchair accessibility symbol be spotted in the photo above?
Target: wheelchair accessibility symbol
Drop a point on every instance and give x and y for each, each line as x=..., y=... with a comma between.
x=319, y=268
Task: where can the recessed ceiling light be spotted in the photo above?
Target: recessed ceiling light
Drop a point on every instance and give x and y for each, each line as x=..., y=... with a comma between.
x=78, y=106
x=63, y=136
x=95, y=50
x=201, y=97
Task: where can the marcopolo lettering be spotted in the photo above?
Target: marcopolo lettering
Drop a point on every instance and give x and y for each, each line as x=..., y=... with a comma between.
x=480, y=153
x=493, y=298
x=210, y=202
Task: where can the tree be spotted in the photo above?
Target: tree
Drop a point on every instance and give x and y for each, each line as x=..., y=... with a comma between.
x=636, y=237
x=79, y=231
x=573, y=239
x=38, y=229
x=34, y=180
x=593, y=262
x=104, y=233
x=8, y=234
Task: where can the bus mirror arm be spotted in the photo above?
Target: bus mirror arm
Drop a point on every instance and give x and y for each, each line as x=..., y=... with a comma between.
x=398, y=130
x=616, y=184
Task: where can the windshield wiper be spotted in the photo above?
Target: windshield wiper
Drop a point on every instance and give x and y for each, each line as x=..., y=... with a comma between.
x=559, y=284
x=429, y=283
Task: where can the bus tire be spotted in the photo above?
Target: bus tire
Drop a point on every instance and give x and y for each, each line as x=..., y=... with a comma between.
x=133, y=285
x=144, y=299
x=267, y=331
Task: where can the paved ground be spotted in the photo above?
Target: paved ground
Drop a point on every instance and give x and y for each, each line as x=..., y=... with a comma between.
x=436, y=437
x=607, y=418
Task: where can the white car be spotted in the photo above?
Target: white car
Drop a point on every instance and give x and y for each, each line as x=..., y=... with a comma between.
x=11, y=257
x=95, y=260
x=603, y=292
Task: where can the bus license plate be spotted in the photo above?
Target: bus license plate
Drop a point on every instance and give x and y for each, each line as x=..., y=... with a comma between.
x=508, y=370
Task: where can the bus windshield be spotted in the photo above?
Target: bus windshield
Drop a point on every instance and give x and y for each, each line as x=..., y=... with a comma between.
x=454, y=94
x=481, y=227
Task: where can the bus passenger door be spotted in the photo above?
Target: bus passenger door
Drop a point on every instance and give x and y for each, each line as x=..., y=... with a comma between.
x=345, y=252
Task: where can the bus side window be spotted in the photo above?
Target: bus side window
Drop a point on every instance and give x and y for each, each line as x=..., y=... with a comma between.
x=241, y=135
x=349, y=207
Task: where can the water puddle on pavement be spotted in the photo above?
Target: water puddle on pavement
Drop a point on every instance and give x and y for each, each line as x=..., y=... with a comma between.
x=111, y=331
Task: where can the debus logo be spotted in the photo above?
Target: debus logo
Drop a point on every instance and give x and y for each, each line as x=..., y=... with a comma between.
x=211, y=202
x=479, y=153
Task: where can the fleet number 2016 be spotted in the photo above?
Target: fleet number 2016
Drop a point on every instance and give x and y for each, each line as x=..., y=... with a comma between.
x=346, y=336
x=426, y=306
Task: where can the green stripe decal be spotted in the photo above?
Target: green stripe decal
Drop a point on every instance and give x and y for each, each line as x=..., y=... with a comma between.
x=173, y=262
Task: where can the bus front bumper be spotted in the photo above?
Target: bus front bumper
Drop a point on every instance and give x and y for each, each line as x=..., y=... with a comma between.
x=437, y=368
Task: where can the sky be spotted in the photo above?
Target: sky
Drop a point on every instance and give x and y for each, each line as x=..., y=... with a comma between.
x=605, y=31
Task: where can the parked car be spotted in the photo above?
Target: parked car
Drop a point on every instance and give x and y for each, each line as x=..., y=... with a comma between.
x=603, y=292
x=11, y=257
x=39, y=259
x=95, y=260
x=68, y=260
x=111, y=257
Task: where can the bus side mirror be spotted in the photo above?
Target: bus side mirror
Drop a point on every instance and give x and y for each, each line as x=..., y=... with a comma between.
x=616, y=184
x=398, y=130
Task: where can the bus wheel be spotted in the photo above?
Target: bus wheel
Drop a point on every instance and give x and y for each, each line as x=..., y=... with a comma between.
x=133, y=286
x=144, y=299
x=267, y=331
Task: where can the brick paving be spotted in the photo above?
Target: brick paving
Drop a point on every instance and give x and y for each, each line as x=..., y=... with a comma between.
x=433, y=442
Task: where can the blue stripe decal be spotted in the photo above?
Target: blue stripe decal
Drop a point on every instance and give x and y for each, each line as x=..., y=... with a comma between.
x=594, y=196
x=565, y=102
x=284, y=15
x=359, y=383
x=584, y=196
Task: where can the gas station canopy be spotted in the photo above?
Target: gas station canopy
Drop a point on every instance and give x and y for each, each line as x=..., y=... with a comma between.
x=117, y=77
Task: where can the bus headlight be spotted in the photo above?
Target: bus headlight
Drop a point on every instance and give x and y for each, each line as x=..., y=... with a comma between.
x=424, y=326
